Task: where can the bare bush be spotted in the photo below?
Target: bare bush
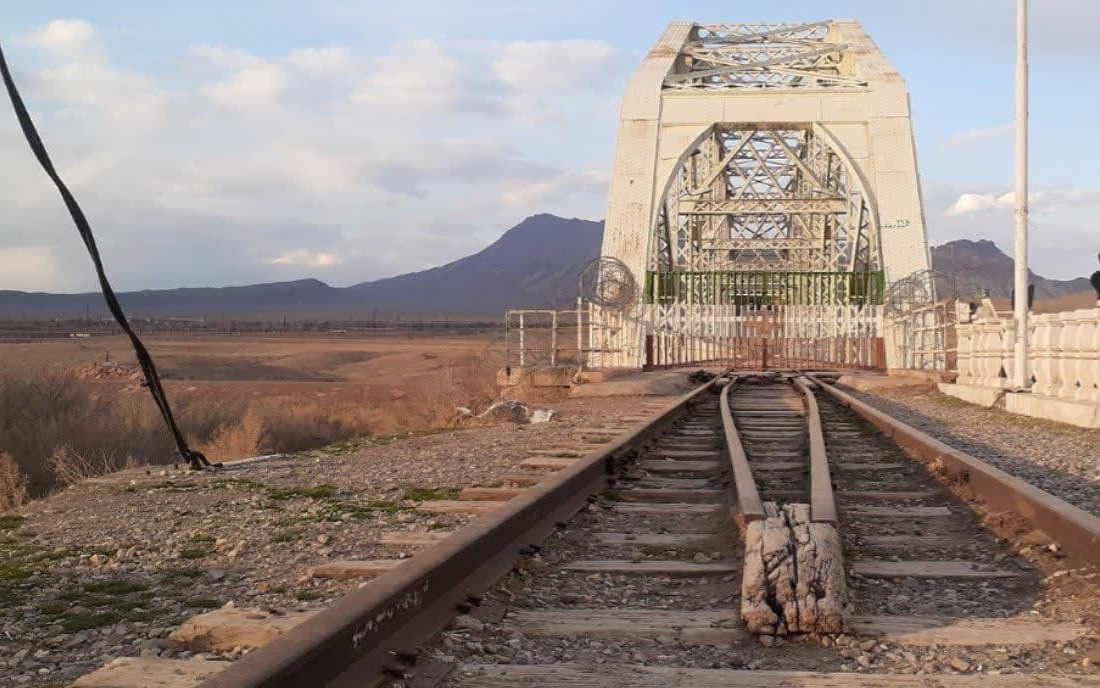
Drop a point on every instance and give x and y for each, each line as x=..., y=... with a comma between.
x=70, y=467
x=235, y=440
x=13, y=484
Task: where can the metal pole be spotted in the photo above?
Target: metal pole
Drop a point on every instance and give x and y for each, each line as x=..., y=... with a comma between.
x=1021, y=374
x=522, y=343
x=553, y=339
x=581, y=358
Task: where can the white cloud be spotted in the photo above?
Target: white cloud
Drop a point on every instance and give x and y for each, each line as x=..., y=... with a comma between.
x=65, y=36
x=208, y=173
x=971, y=137
x=27, y=268
x=251, y=82
x=555, y=67
x=308, y=259
x=974, y=203
x=1063, y=234
x=81, y=76
x=544, y=193
x=1051, y=200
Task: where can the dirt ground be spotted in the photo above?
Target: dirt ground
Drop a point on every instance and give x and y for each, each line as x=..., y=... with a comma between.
x=269, y=364
x=109, y=567
x=233, y=397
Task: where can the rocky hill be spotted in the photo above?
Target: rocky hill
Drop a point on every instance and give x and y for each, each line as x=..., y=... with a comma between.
x=972, y=266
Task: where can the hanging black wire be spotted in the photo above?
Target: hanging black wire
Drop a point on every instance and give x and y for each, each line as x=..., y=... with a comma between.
x=152, y=379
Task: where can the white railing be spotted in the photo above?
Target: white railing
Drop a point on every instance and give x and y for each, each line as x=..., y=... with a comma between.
x=923, y=338
x=1064, y=352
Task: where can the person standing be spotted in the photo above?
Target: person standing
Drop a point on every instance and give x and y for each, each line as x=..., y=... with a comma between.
x=1095, y=281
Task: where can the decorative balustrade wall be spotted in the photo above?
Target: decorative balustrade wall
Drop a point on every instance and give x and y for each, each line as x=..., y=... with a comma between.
x=1064, y=353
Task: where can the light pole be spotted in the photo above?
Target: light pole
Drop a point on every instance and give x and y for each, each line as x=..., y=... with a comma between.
x=1021, y=378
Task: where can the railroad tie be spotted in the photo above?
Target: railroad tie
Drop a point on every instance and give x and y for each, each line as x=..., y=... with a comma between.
x=414, y=538
x=345, y=569
x=900, y=512
x=604, y=676
x=142, y=672
x=869, y=568
x=457, y=506
x=707, y=627
x=547, y=463
x=524, y=478
x=685, y=454
x=671, y=540
x=657, y=482
x=680, y=466
x=490, y=494
x=561, y=452
x=922, y=540
x=870, y=466
x=923, y=631
x=670, y=494
x=223, y=630
x=671, y=508
x=649, y=567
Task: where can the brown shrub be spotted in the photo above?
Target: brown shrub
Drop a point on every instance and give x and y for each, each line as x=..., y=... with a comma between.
x=51, y=421
x=235, y=440
x=13, y=484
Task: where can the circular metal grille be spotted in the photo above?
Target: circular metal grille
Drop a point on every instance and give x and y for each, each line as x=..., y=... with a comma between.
x=608, y=283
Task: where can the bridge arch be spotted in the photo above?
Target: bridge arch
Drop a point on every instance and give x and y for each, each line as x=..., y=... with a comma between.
x=777, y=198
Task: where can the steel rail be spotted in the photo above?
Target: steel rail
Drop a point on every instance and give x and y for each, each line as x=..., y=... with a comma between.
x=748, y=496
x=822, y=500
x=369, y=633
x=1076, y=530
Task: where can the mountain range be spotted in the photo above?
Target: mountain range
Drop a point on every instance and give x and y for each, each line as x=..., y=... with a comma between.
x=534, y=264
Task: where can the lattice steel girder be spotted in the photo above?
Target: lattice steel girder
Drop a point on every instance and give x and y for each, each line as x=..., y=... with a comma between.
x=808, y=244
x=764, y=206
x=744, y=168
x=723, y=56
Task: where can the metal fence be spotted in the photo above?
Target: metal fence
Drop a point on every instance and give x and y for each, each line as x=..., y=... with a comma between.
x=536, y=338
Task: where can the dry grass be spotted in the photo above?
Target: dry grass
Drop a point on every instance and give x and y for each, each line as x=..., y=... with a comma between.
x=59, y=429
x=13, y=484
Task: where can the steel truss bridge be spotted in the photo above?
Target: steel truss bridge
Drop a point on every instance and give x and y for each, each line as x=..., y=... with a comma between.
x=764, y=194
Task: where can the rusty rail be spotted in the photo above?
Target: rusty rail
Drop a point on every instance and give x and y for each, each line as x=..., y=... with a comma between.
x=368, y=633
x=748, y=497
x=1076, y=530
x=822, y=501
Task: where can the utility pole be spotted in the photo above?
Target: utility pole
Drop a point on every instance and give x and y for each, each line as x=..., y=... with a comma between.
x=1021, y=378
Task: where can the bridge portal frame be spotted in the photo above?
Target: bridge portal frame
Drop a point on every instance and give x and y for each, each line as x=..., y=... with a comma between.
x=843, y=86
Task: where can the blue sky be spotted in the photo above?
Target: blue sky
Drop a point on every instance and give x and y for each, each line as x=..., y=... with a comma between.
x=233, y=142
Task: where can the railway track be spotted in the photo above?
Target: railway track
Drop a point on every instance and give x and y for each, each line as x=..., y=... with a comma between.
x=628, y=566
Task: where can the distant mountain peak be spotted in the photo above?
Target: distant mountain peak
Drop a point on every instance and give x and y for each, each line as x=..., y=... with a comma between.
x=534, y=264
